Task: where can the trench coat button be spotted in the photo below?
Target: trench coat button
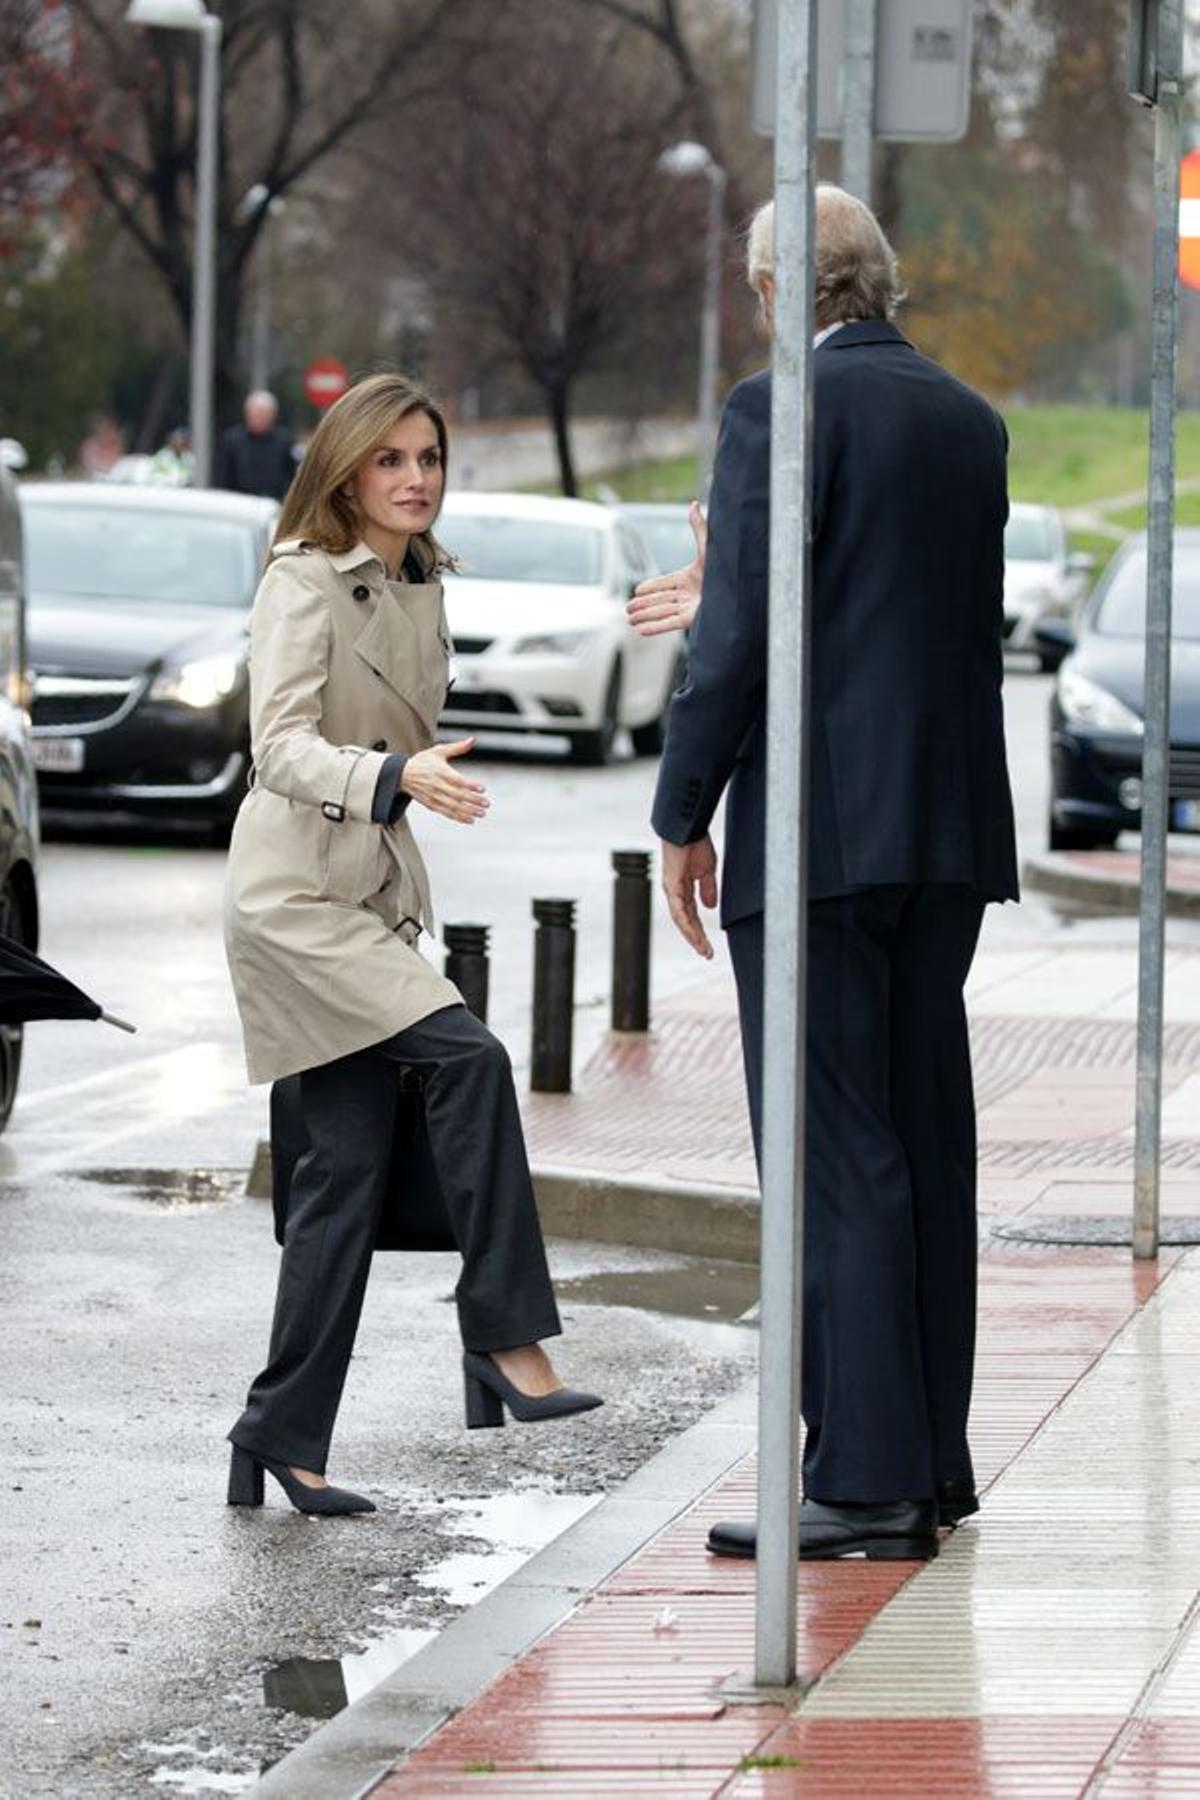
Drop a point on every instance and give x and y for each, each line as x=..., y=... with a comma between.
x=379, y=744
x=362, y=591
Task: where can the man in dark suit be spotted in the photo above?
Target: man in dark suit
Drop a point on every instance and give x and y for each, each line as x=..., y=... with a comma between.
x=256, y=456
x=911, y=835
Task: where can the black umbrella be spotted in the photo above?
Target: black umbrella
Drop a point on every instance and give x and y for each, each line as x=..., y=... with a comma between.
x=31, y=989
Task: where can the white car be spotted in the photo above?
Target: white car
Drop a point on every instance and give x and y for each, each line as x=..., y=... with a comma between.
x=537, y=612
x=1042, y=579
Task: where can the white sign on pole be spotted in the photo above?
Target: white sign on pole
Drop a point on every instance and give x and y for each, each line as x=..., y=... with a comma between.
x=922, y=63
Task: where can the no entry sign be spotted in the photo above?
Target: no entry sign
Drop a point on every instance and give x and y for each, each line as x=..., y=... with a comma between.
x=1189, y=220
x=325, y=380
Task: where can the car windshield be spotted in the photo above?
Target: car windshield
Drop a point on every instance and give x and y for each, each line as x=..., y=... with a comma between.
x=491, y=547
x=1122, y=611
x=129, y=553
x=667, y=536
x=1028, y=538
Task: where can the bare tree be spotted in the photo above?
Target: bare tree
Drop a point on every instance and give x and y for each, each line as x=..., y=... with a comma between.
x=292, y=91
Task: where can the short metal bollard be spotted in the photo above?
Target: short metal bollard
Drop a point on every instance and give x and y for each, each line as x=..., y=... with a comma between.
x=467, y=965
x=553, y=996
x=631, y=941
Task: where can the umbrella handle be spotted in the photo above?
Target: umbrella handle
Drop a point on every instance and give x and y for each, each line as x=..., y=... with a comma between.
x=121, y=1024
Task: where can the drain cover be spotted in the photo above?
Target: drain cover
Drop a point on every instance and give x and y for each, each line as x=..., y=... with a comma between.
x=1071, y=1229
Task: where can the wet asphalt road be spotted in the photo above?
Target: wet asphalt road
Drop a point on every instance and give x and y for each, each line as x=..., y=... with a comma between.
x=152, y=1640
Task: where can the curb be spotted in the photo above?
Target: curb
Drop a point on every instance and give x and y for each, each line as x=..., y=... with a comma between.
x=1064, y=878
x=347, y=1758
x=646, y=1212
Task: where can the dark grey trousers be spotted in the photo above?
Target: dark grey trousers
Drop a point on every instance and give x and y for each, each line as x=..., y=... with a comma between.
x=890, y=1233
x=504, y=1294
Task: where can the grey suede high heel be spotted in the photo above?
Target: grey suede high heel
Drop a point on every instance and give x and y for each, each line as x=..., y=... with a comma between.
x=489, y=1392
x=246, y=1488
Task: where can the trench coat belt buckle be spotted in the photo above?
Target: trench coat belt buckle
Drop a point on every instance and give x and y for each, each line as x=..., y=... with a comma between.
x=331, y=810
x=409, y=929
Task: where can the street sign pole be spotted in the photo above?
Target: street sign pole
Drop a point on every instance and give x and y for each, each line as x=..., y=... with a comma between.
x=1161, y=523
x=858, y=99
x=786, y=935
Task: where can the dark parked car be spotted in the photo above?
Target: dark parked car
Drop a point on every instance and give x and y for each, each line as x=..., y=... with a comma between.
x=138, y=612
x=1096, y=712
x=18, y=782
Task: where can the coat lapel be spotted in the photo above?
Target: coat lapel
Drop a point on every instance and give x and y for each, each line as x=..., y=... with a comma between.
x=400, y=641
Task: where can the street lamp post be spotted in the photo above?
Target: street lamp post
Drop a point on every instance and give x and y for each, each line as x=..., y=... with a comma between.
x=690, y=158
x=193, y=15
x=259, y=199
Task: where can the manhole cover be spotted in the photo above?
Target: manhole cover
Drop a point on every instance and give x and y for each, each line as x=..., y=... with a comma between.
x=172, y=1190
x=1071, y=1230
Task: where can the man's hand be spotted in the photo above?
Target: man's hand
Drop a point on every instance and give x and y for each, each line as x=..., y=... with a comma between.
x=433, y=781
x=669, y=602
x=684, y=868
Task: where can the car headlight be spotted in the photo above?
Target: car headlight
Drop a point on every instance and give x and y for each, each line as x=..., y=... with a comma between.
x=199, y=684
x=1085, y=703
x=553, y=643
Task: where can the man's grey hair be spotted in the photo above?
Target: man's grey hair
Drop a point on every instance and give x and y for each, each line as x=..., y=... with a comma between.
x=857, y=275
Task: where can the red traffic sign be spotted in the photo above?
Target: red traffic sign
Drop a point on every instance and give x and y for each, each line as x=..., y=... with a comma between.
x=325, y=380
x=1189, y=220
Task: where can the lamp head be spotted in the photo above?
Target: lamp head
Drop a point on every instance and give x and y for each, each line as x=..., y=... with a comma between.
x=168, y=15
x=686, y=158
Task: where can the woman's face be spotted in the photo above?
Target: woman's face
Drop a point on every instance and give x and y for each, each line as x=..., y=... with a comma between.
x=398, y=489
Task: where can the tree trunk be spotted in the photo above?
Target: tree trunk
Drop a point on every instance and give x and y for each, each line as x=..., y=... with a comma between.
x=557, y=404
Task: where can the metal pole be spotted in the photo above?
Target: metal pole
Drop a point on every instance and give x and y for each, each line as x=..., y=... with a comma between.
x=204, y=274
x=858, y=98
x=710, y=328
x=1161, y=520
x=260, y=341
x=787, y=853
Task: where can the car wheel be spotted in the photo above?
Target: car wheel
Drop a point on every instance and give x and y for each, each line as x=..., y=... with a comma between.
x=1079, y=837
x=593, y=749
x=12, y=1037
x=648, y=740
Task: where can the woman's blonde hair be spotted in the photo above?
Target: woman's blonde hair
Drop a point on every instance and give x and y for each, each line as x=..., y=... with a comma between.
x=318, y=508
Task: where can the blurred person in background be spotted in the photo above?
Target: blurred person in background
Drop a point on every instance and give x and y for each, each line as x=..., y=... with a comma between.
x=256, y=456
x=326, y=898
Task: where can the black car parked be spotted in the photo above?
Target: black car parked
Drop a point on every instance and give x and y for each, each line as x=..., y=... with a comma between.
x=139, y=605
x=1096, y=713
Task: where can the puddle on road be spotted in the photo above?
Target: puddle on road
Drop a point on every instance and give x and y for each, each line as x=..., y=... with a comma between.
x=195, y=1778
x=720, y=1293
x=516, y=1527
x=172, y=1190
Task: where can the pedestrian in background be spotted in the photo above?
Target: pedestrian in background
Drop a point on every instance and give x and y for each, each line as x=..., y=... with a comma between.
x=326, y=898
x=911, y=833
x=256, y=456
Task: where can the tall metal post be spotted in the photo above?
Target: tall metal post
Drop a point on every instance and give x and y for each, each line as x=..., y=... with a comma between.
x=787, y=851
x=1161, y=520
x=710, y=327
x=204, y=274
x=858, y=98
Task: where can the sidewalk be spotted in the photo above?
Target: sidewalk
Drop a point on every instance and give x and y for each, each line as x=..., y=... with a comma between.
x=1052, y=1649
x=1112, y=879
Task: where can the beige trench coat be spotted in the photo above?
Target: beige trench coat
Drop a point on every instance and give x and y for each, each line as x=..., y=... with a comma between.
x=323, y=907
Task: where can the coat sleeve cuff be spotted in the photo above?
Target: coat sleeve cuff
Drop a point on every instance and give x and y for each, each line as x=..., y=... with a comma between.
x=389, y=804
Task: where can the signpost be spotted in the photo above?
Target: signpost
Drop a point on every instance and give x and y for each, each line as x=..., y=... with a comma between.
x=1156, y=77
x=325, y=380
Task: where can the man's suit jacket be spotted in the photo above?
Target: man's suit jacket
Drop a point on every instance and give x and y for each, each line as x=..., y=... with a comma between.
x=909, y=781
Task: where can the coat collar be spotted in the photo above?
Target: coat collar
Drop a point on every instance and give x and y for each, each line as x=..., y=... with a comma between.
x=346, y=560
x=863, y=331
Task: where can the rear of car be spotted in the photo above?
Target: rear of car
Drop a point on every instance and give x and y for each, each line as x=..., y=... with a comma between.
x=536, y=608
x=1042, y=578
x=139, y=609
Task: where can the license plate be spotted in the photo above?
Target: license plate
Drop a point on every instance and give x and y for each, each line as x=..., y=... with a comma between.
x=1185, y=815
x=58, y=755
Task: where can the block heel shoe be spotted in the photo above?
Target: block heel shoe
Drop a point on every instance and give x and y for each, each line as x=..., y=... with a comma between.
x=246, y=1488
x=488, y=1392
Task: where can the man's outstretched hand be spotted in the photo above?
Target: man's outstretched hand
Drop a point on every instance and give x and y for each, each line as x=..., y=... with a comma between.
x=669, y=602
x=687, y=868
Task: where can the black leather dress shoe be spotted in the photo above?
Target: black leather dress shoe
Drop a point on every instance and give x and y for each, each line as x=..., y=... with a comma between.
x=956, y=1501
x=887, y=1531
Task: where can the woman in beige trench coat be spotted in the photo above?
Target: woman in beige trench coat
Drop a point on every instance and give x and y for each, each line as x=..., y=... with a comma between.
x=326, y=898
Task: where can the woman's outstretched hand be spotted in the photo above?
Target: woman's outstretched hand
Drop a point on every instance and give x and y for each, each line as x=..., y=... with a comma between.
x=432, y=780
x=669, y=602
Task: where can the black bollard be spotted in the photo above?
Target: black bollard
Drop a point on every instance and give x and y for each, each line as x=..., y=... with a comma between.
x=553, y=996
x=631, y=941
x=467, y=965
